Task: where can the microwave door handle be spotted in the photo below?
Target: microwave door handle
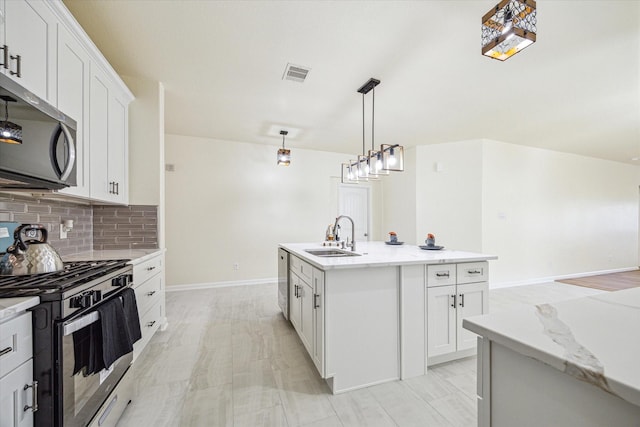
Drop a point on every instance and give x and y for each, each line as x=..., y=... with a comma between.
x=80, y=323
x=62, y=128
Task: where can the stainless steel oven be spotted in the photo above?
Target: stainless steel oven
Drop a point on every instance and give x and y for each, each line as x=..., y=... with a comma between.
x=70, y=302
x=83, y=395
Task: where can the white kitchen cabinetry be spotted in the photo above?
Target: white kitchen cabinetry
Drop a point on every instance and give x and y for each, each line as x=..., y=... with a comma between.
x=448, y=304
x=28, y=53
x=108, y=140
x=148, y=283
x=17, y=387
x=318, y=320
x=306, y=309
x=73, y=100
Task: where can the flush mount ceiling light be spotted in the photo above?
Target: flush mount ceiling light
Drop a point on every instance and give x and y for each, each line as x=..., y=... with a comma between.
x=284, y=155
x=508, y=28
x=10, y=133
x=374, y=163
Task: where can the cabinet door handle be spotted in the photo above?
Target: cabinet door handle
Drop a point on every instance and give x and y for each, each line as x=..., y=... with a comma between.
x=111, y=187
x=5, y=351
x=18, y=59
x=150, y=324
x=315, y=301
x=474, y=272
x=117, y=188
x=5, y=56
x=34, y=397
x=461, y=300
x=445, y=274
x=295, y=291
x=454, y=300
x=150, y=294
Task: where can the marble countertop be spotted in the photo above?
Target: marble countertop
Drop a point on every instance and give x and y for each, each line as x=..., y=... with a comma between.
x=379, y=254
x=594, y=339
x=135, y=255
x=10, y=307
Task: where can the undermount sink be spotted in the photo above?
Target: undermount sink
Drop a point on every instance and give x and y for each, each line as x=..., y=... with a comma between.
x=330, y=252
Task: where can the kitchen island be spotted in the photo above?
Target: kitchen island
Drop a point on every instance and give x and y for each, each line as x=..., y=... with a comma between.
x=385, y=313
x=568, y=363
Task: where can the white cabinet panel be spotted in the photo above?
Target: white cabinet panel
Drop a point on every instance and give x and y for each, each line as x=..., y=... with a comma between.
x=295, y=312
x=99, y=134
x=16, y=399
x=473, y=300
x=318, y=320
x=441, y=320
x=30, y=29
x=73, y=100
x=306, y=306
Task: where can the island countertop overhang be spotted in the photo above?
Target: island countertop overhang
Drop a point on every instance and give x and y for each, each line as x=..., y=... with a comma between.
x=379, y=254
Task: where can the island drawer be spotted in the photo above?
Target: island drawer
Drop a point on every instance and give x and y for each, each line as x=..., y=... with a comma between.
x=301, y=268
x=441, y=275
x=473, y=272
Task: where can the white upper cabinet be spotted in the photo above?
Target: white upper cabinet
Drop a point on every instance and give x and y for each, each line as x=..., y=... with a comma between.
x=108, y=136
x=28, y=52
x=73, y=100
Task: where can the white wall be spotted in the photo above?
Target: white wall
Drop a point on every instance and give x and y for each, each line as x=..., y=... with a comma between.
x=399, y=201
x=550, y=214
x=228, y=202
x=449, y=194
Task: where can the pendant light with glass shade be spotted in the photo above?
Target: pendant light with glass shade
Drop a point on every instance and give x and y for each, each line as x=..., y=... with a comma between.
x=374, y=163
x=284, y=155
x=10, y=132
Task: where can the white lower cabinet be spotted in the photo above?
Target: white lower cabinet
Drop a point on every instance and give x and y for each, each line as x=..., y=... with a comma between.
x=148, y=283
x=306, y=311
x=17, y=387
x=448, y=305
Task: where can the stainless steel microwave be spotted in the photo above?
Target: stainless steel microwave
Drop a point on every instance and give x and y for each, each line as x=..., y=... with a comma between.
x=37, y=142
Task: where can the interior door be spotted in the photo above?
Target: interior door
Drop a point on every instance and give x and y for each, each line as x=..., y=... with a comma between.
x=354, y=201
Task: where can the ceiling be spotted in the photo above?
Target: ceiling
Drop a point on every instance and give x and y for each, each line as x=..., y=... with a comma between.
x=577, y=89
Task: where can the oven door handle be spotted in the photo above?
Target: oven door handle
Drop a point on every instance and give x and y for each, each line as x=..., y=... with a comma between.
x=81, y=322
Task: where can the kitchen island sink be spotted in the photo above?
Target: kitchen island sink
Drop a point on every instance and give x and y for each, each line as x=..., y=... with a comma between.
x=330, y=252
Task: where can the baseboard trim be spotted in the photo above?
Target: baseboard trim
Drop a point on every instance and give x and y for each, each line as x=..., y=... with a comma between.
x=211, y=285
x=548, y=279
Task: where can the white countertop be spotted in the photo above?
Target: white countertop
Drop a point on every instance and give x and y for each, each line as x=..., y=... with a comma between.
x=379, y=254
x=135, y=255
x=10, y=307
x=594, y=339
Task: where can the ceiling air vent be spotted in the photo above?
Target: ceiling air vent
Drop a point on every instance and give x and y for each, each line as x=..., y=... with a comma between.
x=295, y=73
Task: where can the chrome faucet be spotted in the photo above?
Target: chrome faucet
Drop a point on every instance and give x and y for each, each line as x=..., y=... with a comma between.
x=352, y=245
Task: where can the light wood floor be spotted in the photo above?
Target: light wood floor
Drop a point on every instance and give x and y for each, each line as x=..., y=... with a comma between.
x=608, y=282
x=229, y=358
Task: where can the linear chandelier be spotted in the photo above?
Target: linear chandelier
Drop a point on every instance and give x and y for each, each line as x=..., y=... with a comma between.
x=508, y=28
x=373, y=164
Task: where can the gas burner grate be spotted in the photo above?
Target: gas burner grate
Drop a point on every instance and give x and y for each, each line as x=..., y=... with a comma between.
x=74, y=274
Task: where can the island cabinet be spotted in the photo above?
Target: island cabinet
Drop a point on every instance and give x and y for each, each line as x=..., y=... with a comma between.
x=454, y=292
x=305, y=309
x=16, y=372
x=371, y=317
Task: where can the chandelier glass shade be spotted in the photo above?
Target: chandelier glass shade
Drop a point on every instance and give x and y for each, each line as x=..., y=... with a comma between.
x=284, y=154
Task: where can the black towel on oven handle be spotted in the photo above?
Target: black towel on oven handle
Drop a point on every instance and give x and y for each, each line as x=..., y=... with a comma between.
x=116, y=341
x=131, y=314
x=87, y=349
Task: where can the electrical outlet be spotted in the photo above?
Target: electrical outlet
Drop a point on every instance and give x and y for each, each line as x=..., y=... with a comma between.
x=236, y=266
x=63, y=232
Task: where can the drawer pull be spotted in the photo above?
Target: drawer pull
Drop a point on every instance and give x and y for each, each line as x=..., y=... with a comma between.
x=461, y=300
x=18, y=59
x=445, y=274
x=6, y=350
x=151, y=268
x=474, y=272
x=453, y=304
x=150, y=324
x=315, y=301
x=150, y=294
x=34, y=398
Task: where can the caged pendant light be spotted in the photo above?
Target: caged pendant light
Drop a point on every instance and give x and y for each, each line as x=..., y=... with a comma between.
x=284, y=155
x=10, y=132
x=375, y=163
x=508, y=28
